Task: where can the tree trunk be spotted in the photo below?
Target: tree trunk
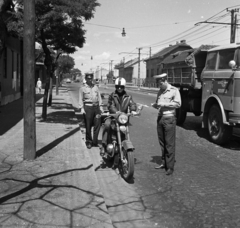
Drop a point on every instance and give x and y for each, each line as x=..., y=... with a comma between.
x=29, y=82
x=50, y=92
x=45, y=97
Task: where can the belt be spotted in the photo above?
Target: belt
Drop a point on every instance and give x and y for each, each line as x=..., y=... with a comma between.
x=167, y=115
x=91, y=104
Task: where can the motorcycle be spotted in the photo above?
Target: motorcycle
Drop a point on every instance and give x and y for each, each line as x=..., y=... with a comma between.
x=120, y=149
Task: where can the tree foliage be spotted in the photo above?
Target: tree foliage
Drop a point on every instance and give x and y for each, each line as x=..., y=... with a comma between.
x=65, y=64
x=59, y=27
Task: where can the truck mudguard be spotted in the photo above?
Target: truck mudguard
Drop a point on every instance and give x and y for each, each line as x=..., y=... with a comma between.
x=220, y=105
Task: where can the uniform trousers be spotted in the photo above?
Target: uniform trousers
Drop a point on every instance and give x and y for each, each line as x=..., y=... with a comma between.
x=92, y=118
x=166, y=129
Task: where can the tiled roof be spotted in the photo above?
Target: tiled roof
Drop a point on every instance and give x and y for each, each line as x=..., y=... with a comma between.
x=180, y=56
x=167, y=50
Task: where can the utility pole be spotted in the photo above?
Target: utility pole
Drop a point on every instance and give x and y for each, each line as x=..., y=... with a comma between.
x=29, y=81
x=139, y=55
x=150, y=52
x=111, y=68
x=233, y=25
x=123, y=67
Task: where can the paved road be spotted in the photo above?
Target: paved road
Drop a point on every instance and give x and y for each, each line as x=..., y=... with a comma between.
x=204, y=190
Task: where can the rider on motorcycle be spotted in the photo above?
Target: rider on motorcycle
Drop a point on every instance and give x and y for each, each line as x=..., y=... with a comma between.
x=118, y=101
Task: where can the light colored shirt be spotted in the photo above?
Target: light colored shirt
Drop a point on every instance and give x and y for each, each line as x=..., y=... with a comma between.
x=170, y=99
x=39, y=84
x=89, y=94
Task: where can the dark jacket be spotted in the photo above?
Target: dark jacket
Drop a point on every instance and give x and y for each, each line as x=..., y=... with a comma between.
x=114, y=104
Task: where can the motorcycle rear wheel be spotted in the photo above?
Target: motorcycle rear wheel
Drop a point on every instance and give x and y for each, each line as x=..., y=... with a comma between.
x=127, y=167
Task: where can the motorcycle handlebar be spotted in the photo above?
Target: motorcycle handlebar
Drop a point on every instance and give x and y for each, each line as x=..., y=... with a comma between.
x=117, y=114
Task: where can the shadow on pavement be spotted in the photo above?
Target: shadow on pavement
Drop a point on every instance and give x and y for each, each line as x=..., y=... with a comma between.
x=30, y=195
x=194, y=123
x=35, y=184
x=156, y=159
x=54, y=143
x=12, y=113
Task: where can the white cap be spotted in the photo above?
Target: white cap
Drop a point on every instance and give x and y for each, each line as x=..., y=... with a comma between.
x=160, y=75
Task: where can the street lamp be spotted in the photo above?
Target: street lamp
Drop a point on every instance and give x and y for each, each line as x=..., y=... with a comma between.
x=123, y=32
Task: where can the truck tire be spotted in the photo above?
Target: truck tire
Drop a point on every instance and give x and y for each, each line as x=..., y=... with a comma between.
x=218, y=132
x=181, y=116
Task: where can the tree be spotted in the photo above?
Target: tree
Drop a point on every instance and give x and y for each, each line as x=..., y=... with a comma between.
x=65, y=65
x=60, y=27
x=6, y=16
x=58, y=22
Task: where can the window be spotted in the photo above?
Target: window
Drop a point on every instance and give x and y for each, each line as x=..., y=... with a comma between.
x=225, y=56
x=211, y=61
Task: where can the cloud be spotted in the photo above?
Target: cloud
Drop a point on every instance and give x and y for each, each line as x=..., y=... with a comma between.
x=189, y=11
x=86, y=45
x=96, y=34
x=103, y=56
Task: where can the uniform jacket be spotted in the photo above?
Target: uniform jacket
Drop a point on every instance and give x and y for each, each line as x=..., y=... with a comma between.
x=170, y=98
x=89, y=94
x=114, y=104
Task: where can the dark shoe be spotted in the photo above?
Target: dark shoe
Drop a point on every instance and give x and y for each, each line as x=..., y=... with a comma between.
x=169, y=172
x=89, y=145
x=114, y=166
x=162, y=166
x=102, y=151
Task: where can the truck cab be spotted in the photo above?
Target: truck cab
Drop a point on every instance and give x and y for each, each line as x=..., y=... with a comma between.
x=221, y=92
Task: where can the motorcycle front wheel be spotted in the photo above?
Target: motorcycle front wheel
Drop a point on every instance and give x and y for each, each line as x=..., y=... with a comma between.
x=127, y=165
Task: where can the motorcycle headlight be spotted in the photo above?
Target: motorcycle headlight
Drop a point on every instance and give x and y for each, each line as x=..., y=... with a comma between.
x=123, y=118
x=123, y=129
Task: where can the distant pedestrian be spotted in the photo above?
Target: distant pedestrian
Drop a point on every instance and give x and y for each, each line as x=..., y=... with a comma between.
x=90, y=103
x=168, y=100
x=39, y=86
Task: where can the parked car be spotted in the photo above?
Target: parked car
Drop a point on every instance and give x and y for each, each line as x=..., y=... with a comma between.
x=68, y=80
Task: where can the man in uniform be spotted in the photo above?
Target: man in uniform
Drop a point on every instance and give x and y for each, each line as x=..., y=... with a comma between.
x=90, y=103
x=168, y=99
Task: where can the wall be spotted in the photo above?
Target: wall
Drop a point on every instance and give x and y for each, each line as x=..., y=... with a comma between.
x=11, y=68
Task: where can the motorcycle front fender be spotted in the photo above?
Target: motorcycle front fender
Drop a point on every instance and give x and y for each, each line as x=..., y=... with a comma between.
x=127, y=145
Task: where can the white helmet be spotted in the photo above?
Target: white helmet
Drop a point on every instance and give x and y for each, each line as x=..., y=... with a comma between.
x=120, y=81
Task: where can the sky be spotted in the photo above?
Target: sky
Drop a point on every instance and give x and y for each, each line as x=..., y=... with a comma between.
x=151, y=25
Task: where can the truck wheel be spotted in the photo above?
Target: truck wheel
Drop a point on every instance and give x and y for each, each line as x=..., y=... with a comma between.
x=181, y=116
x=218, y=132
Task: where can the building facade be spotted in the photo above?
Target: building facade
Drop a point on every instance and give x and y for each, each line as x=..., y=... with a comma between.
x=153, y=63
x=11, y=71
x=134, y=71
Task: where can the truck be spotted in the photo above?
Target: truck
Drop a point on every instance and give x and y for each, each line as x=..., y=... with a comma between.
x=208, y=79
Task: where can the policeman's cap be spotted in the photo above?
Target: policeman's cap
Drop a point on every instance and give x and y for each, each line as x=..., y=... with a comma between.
x=89, y=75
x=164, y=75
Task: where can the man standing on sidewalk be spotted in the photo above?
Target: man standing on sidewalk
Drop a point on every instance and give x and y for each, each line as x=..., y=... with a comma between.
x=168, y=99
x=90, y=103
x=39, y=86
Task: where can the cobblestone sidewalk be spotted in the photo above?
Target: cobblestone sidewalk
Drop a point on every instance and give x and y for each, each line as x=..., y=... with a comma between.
x=59, y=188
